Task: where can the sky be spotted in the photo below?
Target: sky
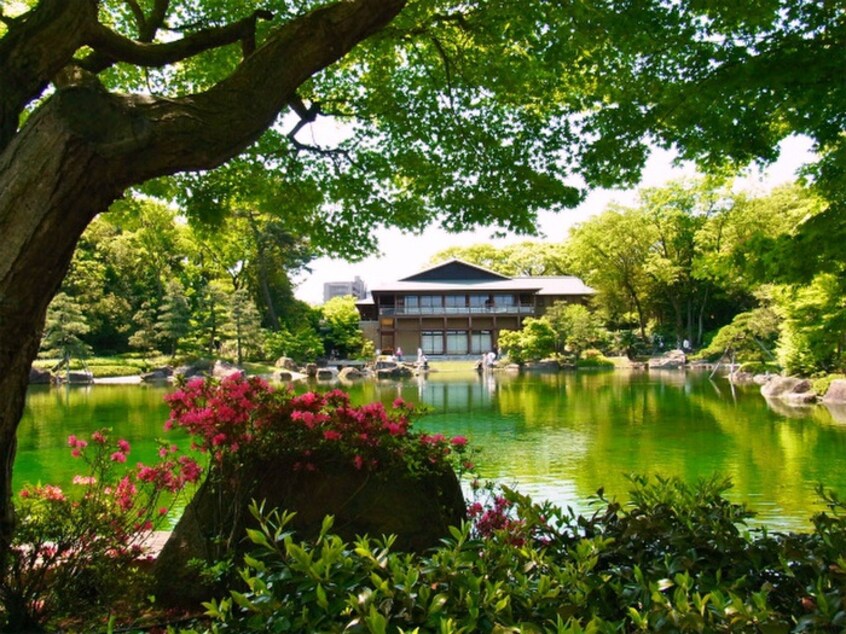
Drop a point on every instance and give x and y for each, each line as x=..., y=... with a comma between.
x=402, y=254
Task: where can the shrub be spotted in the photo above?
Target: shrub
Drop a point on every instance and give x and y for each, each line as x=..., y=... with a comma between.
x=74, y=552
x=242, y=417
x=821, y=384
x=593, y=358
x=677, y=558
x=249, y=427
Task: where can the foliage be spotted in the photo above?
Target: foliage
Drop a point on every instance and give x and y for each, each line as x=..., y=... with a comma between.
x=534, y=341
x=690, y=256
x=517, y=260
x=173, y=323
x=301, y=345
x=593, y=358
x=821, y=384
x=245, y=322
x=676, y=558
x=813, y=328
x=748, y=338
x=576, y=328
x=63, y=330
x=340, y=327
x=75, y=553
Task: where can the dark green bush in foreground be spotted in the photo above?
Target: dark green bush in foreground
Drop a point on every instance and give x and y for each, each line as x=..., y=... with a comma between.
x=677, y=558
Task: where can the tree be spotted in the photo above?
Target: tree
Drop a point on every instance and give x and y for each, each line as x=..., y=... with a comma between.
x=813, y=326
x=211, y=313
x=534, y=341
x=172, y=321
x=748, y=338
x=516, y=260
x=145, y=337
x=245, y=322
x=610, y=251
x=64, y=327
x=461, y=112
x=342, y=333
x=575, y=327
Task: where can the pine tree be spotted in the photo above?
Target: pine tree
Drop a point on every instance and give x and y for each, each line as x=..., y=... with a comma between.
x=173, y=322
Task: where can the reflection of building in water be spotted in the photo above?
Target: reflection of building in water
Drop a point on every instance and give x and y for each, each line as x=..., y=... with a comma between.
x=450, y=396
x=458, y=309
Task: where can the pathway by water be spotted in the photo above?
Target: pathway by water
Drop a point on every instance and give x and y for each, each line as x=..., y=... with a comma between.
x=559, y=437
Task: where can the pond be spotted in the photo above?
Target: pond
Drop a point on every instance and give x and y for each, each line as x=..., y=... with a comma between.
x=555, y=436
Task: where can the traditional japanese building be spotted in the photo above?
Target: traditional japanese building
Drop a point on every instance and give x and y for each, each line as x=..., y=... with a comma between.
x=456, y=308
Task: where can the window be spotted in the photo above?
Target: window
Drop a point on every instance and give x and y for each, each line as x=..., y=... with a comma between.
x=481, y=341
x=430, y=304
x=504, y=300
x=455, y=301
x=456, y=342
x=432, y=341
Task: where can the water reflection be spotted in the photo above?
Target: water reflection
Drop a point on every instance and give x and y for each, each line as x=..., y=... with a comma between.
x=562, y=436
x=558, y=436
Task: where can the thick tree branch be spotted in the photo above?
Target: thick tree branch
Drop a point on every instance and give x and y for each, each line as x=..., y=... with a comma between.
x=37, y=45
x=110, y=47
x=201, y=131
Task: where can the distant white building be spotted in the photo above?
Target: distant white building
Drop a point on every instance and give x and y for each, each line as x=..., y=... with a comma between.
x=357, y=288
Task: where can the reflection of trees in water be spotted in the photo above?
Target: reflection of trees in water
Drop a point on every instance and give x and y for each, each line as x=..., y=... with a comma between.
x=576, y=431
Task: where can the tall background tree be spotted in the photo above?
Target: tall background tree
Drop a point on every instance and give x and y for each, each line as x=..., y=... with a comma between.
x=460, y=113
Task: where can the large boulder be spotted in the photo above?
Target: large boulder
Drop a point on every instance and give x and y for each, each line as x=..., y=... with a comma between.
x=224, y=369
x=157, y=374
x=329, y=373
x=286, y=363
x=398, y=371
x=350, y=373
x=283, y=376
x=836, y=392
x=74, y=377
x=201, y=367
x=671, y=360
x=789, y=388
x=39, y=377
x=418, y=510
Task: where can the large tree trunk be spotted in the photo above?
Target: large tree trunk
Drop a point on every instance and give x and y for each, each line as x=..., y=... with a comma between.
x=85, y=146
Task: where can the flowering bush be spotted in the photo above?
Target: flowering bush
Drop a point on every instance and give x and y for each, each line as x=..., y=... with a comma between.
x=237, y=416
x=73, y=549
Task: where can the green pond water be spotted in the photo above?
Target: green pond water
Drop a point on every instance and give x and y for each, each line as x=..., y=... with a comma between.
x=556, y=436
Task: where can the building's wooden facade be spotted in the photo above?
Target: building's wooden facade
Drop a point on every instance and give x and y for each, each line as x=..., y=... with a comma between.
x=456, y=308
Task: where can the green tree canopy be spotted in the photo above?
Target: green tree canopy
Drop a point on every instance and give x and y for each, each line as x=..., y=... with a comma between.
x=457, y=113
x=342, y=334
x=516, y=260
